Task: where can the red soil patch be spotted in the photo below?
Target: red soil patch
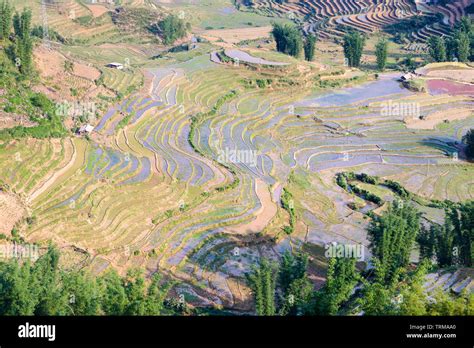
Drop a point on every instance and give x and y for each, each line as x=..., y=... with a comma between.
x=436, y=87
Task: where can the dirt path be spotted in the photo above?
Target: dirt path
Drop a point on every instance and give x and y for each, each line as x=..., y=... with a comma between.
x=263, y=216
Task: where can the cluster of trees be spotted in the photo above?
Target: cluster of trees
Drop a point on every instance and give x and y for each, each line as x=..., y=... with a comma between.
x=21, y=50
x=353, y=44
x=171, y=28
x=392, y=236
x=390, y=287
x=453, y=242
x=23, y=41
x=284, y=286
x=42, y=288
x=458, y=47
x=290, y=40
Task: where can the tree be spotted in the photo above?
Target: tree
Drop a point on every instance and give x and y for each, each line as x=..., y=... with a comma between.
x=16, y=283
x=468, y=139
x=377, y=296
x=341, y=280
x=43, y=288
x=68, y=66
x=51, y=300
x=381, y=51
x=156, y=294
x=114, y=298
x=455, y=238
x=413, y=296
x=292, y=267
x=392, y=236
x=171, y=28
x=6, y=12
x=294, y=283
x=437, y=48
x=262, y=281
x=444, y=304
x=427, y=242
x=353, y=45
x=309, y=47
x=81, y=293
x=463, y=46
x=135, y=291
x=288, y=39
x=24, y=43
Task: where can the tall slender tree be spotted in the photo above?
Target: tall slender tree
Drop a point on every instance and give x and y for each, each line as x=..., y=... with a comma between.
x=6, y=12
x=309, y=47
x=381, y=51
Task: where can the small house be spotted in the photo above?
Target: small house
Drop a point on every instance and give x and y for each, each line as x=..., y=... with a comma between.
x=408, y=77
x=117, y=66
x=85, y=129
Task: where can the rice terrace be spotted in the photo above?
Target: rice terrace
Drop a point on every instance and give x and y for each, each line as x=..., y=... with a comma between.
x=238, y=157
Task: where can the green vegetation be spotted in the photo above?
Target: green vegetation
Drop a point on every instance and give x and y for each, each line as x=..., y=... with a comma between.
x=6, y=12
x=392, y=236
x=309, y=48
x=294, y=283
x=21, y=99
x=437, y=48
x=23, y=51
x=341, y=280
x=391, y=287
x=43, y=288
x=262, y=281
x=171, y=29
x=459, y=47
x=288, y=39
x=353, y=45
x=452, y=243
x=468, y=139
x=287, y=203
x=381, y=52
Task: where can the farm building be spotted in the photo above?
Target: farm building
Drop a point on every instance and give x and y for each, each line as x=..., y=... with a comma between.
x=408, y=77
x=117, y=66
x=85, y=129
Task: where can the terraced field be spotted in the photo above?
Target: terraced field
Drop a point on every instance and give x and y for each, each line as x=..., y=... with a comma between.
x=186, y=172
x=327, y=18
x=153, y=189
